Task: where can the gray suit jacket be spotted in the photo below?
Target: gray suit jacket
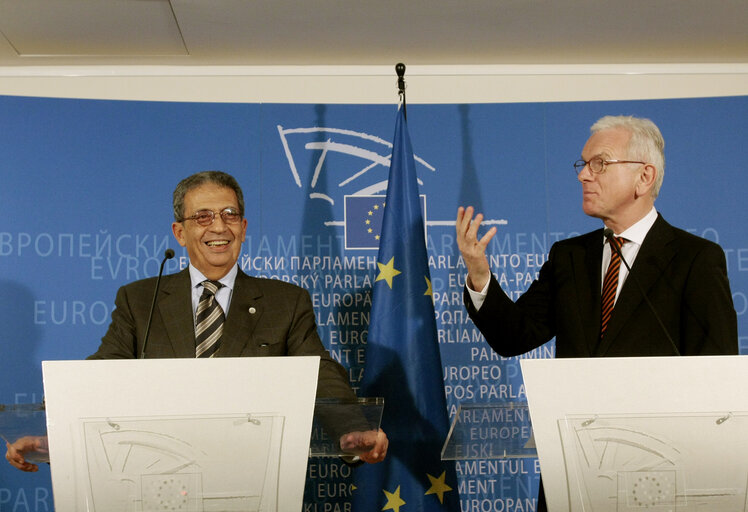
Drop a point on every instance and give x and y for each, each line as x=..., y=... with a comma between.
x=266, y=318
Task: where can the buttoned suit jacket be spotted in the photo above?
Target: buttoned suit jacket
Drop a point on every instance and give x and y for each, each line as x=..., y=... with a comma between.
x=266, y=318
x=684, y=277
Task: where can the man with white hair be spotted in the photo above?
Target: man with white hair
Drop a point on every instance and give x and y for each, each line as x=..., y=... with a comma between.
x=584, y=295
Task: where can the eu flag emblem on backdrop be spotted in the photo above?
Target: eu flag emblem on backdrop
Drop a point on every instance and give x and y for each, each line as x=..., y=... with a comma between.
x=363, y=221
x=403, y=364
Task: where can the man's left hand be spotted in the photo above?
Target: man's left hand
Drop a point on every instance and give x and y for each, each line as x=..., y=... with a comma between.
x=370, y=446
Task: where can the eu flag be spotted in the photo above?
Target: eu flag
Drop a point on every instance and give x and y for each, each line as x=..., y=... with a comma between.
x=403, y=364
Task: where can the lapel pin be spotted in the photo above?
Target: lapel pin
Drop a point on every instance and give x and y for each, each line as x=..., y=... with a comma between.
x=252, y=311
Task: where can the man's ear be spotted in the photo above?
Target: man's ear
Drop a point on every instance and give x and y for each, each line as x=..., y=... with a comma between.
x=244, y=230
x=647, y=179
x=178, y=229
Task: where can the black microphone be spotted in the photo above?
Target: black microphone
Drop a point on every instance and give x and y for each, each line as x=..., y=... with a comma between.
x=168, y=254
x=400, y=70
x=609, y=235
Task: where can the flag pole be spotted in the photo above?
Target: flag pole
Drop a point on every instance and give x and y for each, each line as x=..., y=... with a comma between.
x=403, y=360
x=400, y=70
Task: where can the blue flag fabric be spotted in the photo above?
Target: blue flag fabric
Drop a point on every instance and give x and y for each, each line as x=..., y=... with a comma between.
x=403, y=363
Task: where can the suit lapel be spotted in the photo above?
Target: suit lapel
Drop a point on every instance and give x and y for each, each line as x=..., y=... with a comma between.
x=245, y=312
x=654, y=254
x=175, y=309
x=588, y=289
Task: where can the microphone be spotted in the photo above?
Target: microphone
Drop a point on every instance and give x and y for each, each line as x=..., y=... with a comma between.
x=168, y=254
x=400, y=70
x=609, y=235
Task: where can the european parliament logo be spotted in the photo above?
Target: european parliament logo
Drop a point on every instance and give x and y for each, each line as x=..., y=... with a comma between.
x=334, y=163
x=356, y=163
x=363, y=216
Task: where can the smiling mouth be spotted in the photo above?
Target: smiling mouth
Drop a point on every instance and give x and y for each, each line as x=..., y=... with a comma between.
x=217, y=243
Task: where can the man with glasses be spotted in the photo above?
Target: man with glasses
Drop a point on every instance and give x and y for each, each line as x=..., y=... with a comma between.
x=213, y=309
x=580, y=298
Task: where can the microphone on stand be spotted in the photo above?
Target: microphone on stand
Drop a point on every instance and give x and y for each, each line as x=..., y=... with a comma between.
x=400, y=70
x=608, y=234
x=168, y=254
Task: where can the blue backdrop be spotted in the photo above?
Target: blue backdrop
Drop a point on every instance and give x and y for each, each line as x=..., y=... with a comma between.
x=86, y=189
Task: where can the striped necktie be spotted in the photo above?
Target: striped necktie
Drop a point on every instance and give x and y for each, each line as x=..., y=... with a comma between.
x=610, y=284
x=209, y=320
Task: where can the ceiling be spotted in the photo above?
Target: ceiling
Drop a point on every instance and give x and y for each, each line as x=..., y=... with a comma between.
x=371, y=32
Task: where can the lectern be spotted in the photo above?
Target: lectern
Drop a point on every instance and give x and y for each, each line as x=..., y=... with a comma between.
x=662, y=434
x=193, y=435
x=224, y=434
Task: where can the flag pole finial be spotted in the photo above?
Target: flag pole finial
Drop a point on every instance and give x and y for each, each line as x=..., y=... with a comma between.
x=400, y=70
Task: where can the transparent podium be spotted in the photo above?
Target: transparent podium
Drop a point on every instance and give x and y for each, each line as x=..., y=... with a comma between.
x=490, y=431
x=185, y=435
x=24, y=420
x=335, y=418
x=225, y=434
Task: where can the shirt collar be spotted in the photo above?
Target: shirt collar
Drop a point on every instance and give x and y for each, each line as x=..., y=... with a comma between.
x=637, y=232
x=197, y=277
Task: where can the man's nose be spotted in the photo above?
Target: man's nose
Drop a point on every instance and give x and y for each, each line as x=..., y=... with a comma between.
x=585, y=174
x=218, y=224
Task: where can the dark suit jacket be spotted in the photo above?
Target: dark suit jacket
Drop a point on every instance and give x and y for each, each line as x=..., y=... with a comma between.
x=282, y=325
x=684, y=277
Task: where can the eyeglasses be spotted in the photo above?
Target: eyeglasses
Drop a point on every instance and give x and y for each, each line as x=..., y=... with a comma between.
x=206, y=217
x=597, y=164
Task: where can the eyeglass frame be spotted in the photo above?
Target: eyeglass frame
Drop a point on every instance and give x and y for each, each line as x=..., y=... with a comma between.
x=231, y=211
x=580, y=164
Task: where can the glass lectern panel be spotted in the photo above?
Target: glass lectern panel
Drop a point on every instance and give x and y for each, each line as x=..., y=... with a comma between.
x=334, y=418
x=21, y=420
x=490, y=431
x=659, y=462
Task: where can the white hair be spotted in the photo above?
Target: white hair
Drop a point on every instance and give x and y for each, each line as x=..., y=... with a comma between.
x=646, y=142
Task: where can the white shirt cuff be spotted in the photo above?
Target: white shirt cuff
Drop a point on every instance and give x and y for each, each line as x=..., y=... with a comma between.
x=478, y=297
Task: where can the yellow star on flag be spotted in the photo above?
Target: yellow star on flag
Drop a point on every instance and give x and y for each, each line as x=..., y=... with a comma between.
x=428, y=291
x=394, y=501
x=387, y=272
x=438, y=486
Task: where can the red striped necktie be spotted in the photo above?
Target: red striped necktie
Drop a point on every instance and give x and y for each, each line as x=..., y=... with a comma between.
x=610, y=284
